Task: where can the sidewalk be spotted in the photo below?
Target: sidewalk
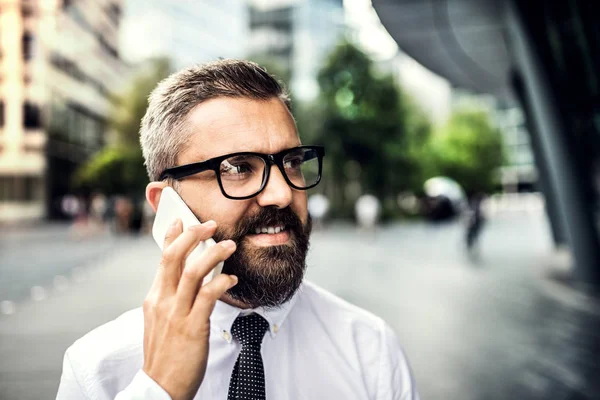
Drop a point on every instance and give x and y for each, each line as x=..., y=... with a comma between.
x=492, y=330
x=33, y=340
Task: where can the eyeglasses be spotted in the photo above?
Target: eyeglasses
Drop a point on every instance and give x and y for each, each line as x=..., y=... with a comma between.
x=244, y=175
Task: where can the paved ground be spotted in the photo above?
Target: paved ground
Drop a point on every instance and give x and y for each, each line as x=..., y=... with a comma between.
x=35, y=256
x=493, y=327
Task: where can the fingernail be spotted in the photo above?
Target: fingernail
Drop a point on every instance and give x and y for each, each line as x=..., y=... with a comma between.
x=174, y=224
x=228, y=244
x=210, y=224
x=234, y=279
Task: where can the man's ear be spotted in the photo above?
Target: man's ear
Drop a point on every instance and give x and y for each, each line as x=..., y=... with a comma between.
x=153, y=192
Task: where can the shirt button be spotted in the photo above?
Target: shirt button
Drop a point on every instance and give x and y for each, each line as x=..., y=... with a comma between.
x=226, y=336
x=275, y=328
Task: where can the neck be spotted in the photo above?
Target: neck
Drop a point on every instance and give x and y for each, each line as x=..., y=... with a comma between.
x=233, y=302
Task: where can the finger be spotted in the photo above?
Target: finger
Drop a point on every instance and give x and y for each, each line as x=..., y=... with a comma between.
x=209, y=294
x=174, y=256
x=194, y=274
x=173, y=231
x=201, y=235
x=181, y=248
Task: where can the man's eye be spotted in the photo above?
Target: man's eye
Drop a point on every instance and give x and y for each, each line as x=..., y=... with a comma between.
x=236, y=169
x=293, y=163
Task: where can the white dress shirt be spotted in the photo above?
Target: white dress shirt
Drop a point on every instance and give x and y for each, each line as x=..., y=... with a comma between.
x=318, y=347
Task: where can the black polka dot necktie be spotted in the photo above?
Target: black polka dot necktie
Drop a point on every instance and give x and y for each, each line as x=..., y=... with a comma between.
x=248, y=376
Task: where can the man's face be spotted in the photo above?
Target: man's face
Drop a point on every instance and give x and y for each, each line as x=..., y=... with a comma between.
x=270, y=267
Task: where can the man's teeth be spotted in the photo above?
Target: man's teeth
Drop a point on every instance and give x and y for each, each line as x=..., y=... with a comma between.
x=269, y=229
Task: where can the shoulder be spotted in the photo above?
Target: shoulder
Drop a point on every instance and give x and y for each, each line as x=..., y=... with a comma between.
x=368, y=342
x=111, y=354
x=359, y=331
x=324, y=303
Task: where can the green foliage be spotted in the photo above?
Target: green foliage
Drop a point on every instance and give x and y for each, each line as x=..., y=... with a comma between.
x=363, y=129
x=274, y=66
x=469, y=150
x=119, y=169
x=130, y=106
x=418, y=145
x=115, y=170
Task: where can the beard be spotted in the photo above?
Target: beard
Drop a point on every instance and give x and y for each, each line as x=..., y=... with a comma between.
x=267, y=276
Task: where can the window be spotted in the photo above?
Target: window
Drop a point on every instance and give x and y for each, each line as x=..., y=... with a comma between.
x=114, y=13
x=27, y=10
x=27, y=46
x=31, y=116
x=20, y=188
x=29, y=188
x=72, y=69
x=106, y=46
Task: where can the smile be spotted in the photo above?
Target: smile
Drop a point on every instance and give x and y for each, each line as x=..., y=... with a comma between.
x=270, y=229
x=269, y=236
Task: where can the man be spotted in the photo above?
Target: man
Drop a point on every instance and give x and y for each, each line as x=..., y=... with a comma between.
x=257, y=330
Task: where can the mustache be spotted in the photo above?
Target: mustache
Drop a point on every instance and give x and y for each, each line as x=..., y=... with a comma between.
x=268, y=216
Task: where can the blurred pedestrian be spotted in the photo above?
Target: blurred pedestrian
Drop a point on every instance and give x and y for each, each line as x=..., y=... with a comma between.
x=367, y=210
x=318, y=206
x=123, y=214
x=98, y=206
x=70, y=206
x=148, y=217
x=223, y=137
x=475, y=220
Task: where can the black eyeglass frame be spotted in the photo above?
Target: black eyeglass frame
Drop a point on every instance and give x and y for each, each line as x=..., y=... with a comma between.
x=214, y=164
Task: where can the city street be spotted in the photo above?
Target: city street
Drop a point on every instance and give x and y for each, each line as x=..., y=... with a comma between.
x=493, y=326
x=31, y=257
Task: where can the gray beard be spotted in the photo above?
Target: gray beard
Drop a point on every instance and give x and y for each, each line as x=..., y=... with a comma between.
x=269, y=276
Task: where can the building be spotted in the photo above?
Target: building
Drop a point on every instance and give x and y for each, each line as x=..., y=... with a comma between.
x=430, y=92
x=546, y=59
x=58, y=63
x=190, y=31
x=298, y=35
x=519, y=173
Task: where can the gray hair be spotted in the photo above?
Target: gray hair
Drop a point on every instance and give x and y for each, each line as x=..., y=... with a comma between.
x=163, y=133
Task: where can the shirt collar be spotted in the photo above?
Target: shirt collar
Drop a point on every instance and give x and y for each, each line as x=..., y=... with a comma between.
x=224, y=315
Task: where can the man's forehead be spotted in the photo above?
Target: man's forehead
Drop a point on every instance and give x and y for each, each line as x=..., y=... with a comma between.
x=226, y=125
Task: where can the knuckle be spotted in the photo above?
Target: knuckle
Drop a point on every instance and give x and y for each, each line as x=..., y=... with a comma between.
x=156, y=305
x=190, y=273
x=208, y=294
x=203, y=297
x=168, y=256
x=172, y=320
x=149, y=304
x=218, y=253
x=163, y=306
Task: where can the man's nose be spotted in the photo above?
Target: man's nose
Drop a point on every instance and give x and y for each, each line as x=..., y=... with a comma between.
x=277, y=192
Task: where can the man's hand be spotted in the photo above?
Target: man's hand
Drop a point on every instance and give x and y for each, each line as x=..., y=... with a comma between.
x=177, y=310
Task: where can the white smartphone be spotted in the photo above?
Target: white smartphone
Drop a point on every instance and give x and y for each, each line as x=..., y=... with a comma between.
x=170, y=207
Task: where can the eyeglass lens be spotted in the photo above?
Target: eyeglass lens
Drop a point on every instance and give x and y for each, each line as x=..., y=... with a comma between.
x=242, y=175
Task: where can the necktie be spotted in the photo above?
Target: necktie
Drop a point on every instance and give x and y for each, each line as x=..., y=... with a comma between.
x=248, y=376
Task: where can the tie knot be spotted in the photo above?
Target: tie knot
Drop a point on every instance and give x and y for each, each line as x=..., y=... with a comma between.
x=249, y=329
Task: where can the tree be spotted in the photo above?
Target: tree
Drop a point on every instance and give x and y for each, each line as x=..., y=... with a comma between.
x=274, y=66
x=420, y=156
x=363, y=129
x=469, y=150
x=114, y=170
x=119, y=169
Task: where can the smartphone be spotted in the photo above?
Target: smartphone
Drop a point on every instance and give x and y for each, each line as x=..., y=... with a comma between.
x=170, y=207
